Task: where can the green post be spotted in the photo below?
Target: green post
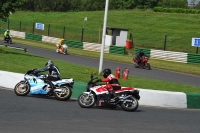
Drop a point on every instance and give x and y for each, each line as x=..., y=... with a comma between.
x=48, y=29
x=64, y=32
x=33, y=27
x=20, y=26
x=8, y=24
x=165, y=42
x=197, y=49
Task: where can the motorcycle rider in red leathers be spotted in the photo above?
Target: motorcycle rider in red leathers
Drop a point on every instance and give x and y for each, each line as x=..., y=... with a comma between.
x=139, y=56
x=111, y=83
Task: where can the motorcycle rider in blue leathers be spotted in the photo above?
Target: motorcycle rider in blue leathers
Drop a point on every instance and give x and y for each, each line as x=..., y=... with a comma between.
x=54, y=73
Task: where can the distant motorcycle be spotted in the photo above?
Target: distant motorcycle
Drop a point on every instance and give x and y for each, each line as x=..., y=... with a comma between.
x=61, y=49
x=8, y=39
x=36, y=85
x=98, y=95
x=143, y=64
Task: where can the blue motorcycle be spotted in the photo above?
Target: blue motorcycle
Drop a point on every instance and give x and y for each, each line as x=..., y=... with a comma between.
x=34, y=84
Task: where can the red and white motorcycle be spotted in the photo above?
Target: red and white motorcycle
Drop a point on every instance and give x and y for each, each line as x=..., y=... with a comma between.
x=98, y=95
x=143, y=64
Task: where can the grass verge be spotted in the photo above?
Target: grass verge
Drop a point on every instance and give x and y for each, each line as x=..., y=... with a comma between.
x=155, y=63
x=18, y=61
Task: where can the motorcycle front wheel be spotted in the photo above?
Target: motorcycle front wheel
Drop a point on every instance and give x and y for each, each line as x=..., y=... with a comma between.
x=86, y=101
x=10, y=41
x=148, y=66
x=64, y=94
x=135, y=65
x=22, y=88
x=130, y=104
x=57, y=50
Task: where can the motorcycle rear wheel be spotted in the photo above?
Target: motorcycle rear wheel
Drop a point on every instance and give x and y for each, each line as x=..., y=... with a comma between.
x=130, y=106
x=86, y=102
x=65, y=94
x=22, y=89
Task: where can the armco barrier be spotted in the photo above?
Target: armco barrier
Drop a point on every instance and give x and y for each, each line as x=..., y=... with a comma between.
x=148, y=97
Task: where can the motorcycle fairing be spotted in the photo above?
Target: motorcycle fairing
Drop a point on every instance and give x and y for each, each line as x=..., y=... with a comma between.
x=99, y=89
x=37, y=86
x=123, y=89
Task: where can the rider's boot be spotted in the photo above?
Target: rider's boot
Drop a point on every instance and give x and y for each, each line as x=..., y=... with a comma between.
x=115, y=98
x=51, y=87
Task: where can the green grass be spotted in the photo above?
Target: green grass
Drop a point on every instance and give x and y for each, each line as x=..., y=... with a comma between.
x=148, y=28
x=18, y=61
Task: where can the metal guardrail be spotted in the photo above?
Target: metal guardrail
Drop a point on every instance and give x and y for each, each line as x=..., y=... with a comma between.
x=13, y=47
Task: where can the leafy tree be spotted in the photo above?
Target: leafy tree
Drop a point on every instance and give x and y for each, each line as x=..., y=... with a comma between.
x=9, y=6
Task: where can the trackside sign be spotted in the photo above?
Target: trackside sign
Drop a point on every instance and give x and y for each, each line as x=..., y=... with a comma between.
x=196, y=42
x=39, y=26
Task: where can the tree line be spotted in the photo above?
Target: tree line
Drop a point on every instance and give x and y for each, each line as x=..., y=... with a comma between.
x=9, y=6
x=96, y=5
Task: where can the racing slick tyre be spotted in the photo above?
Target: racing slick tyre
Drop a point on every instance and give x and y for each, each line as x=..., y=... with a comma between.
x=64, y=94
x=86, y=101
x=22, y=88
x=130, y=104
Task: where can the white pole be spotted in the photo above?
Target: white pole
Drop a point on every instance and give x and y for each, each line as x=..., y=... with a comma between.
x=103, y=37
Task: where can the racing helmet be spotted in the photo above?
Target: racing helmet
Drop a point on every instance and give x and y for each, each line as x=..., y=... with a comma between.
x=7, y=30
x=62, y=39
x=49, y=64
x=106, y=72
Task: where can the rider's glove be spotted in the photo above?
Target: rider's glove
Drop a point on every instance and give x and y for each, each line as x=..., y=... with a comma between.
x=36, y=72
x=98, y=80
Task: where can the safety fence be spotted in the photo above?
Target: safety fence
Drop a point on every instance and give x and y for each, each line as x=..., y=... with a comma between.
x=171, y=56
x=153, y=53
x=70, y=43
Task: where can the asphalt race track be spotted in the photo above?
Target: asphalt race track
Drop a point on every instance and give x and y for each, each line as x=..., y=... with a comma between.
x=158, y=74
x=32, y=114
